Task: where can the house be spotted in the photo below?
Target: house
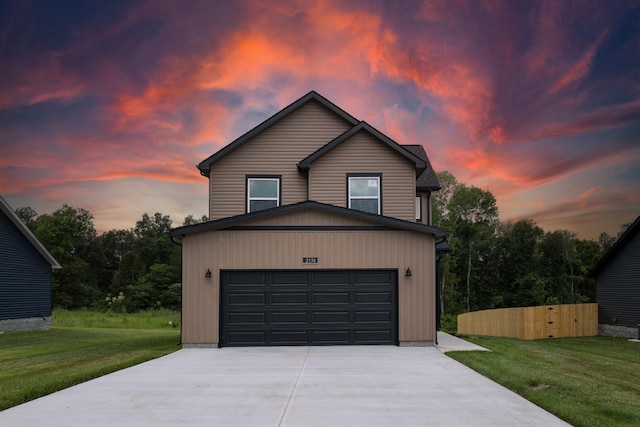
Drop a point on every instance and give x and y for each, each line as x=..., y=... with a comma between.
x=319, y=234
x=25, y=275
x=617, y=277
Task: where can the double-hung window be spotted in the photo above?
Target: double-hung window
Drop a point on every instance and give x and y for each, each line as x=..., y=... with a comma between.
x=365, y=192
x=263, y=192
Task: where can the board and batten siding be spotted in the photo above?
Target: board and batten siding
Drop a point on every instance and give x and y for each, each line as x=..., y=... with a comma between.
x=25, y=276
x=276, y=151
x=362, y=153
x=618, y=287
x=272, y=250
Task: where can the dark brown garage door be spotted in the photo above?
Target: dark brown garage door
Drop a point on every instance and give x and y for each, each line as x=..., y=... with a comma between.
x=305, y=307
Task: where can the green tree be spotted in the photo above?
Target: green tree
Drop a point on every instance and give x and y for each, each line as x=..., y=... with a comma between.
x=190, y=220
x=440, y=199
x=130, y=270
x=472, y=218
x=152, y=242
x=588, y=253
x=67, y=233
x=28, y=216
x=155, y=289
x=517, y=260
x=605, y=241
x=558, y=264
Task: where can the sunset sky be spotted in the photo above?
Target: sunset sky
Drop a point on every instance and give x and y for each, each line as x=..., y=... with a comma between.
x=108, y=106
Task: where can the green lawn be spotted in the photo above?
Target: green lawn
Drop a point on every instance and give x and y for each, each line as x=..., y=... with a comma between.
x=36, y=363
x=588, y=381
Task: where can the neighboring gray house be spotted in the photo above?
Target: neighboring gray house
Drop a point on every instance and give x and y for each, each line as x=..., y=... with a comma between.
x=617, y=277
x=25, y=275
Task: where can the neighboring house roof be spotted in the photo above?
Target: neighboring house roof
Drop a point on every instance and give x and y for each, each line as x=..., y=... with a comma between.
x=4, y=207
x=427, y=180
x=305, y=164
x=613, y=251
x=205, y=165
x=385, y=221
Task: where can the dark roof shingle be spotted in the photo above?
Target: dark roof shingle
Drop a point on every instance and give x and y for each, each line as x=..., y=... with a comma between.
x=427, y=180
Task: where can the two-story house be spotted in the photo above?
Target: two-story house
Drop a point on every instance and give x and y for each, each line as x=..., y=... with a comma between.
x=319, y=234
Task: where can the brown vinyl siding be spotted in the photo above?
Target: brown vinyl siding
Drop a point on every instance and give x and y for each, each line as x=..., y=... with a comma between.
x=276, y=151
x=363, y=154
x=237, y=250
x=425, y=199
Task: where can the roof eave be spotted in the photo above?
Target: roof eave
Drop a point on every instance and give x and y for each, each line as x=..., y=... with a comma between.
x=205, y=165
x=305, y=164
x=231, y=221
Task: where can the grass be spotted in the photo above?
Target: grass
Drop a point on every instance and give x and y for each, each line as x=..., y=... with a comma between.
x=587, y=381
x=89, y=345
x=149, y=319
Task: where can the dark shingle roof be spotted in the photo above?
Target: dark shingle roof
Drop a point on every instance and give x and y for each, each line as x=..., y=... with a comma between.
x=233, y=221
x=427, y=180
x=205, y=165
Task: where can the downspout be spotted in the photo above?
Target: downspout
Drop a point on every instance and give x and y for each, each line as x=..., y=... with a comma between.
x=181, y=287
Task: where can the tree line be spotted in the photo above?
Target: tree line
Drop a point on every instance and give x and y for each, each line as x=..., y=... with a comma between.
x=128, y=270
x=494, y=264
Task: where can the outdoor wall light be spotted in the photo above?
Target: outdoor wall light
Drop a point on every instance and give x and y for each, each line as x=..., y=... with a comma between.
x=408, y=272
x=207, y=274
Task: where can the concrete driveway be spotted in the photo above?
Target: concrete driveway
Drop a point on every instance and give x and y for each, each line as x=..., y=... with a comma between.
x=287, y=386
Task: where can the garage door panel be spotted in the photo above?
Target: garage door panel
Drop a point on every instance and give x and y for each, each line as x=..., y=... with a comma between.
x=373, y=298
x=372, y=337
x=246, y=299
x=289, y=318
x=338, y=278
x=373, y=317
x=235, y=319
x=309, y=307
x=343, y=317
x=248, y=279
x=289, y=338
x=382, y=278
x=289, y=298
x=288, y=278
x=331, y=298
x=337, y=337
x=246, y=338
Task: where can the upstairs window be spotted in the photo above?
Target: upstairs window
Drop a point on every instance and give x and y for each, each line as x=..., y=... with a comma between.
x=418, y=208
x=263, y=192
x=365, y=193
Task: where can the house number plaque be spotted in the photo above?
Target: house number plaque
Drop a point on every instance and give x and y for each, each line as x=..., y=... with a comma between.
x=310, y=260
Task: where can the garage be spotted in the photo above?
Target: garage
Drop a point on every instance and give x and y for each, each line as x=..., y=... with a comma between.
x=308, y=307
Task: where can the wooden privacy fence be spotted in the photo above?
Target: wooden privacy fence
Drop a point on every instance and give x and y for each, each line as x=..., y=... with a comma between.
x=530, y=323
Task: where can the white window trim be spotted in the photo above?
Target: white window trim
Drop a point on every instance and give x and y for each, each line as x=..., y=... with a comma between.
x=418, y=208
x=250, y=199
x=379, y=188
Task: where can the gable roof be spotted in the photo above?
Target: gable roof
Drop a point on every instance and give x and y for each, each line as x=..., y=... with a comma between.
x=614, y=250
x=305, y=164
x=233, y=221
x=205, y=165
x=428, y=179
x=6, y=209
